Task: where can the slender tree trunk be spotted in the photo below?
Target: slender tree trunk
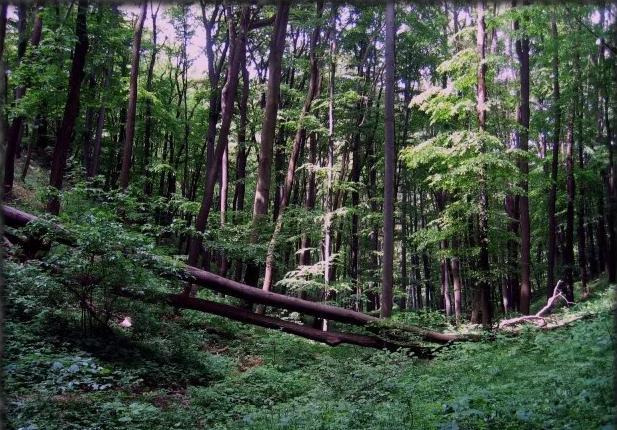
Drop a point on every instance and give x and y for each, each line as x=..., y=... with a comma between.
x=568, y=256
x=223, y=206
x=13, y=138
x=299, y=138
x=404, y=277
x=426, y=261
x=445, y=281
x=186, y=179
x=13, y=149
x=279, y=164
x=356, y=168
x=262, y=191
x=328, y=275
x=148, y=113
x=582, y=245
x=522, y=51
x=511, y=290
x=611, y=176
x=214, y=103
x=100, y=123
x=552, y=219
x=266, y=144
x=591, y=246
x=484, y=285
x=241, y=156
x=598, y=95
x=389, y=151
x=34, y=140
x=416, y=256
x=236, y=55
x=3, y=129
x=309, y=202
x=129, y=129
x=457, y=285
x=87, y=135
x=372, y=296
x=71, y=108
x=3, y=132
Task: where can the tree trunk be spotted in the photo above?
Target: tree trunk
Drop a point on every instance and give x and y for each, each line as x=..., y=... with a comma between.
x=223, y=205
x=415, y=259
x=409, y=296
x=445, y=281
x=13, y=137
x=71, y=108
x=241, y=156
x=591, y=246
x=129, y=129
x=568, y=255
x=148, y=113
x=100, y=123
x=389, y=152
x=262, y=191
x=309, y=201
x=266, y=144
x=580, y=233
x=522, y=51
x=457, y=285
x=236, y=55
x=16, y=218
x=582, y=245
x=330, y=158
x=611, y=176
x=214, y=102
x=299, y=138
x=552, y=219
x=484, y=285
x=3, y=129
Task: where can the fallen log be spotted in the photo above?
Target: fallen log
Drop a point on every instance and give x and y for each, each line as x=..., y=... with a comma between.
x=16, y=218
x=331, y=338
x=539, y=319
x=182, y=301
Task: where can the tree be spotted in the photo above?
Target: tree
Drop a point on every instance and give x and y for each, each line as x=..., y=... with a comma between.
x=552, y=219
x=266, y=144
x=461, y=214
x=3, y=122
x=148, y=114
x=237, y=37
x=300, y=136
x=71, y=108
x=388, y=210
x=484, y=286
x=132, y=104
x=522, y=52
x=15, y=129
x=568, y=257
x=215, y=68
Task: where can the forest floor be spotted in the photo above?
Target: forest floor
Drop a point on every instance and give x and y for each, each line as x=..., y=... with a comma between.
x=193, y=370
x=200, y=371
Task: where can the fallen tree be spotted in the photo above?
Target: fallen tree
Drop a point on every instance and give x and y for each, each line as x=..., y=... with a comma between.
x=16, y=218
x=539, y=319
x=183, y=301
x=331, y=338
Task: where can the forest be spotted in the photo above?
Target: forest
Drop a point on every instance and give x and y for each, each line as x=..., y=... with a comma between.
x=308, y=215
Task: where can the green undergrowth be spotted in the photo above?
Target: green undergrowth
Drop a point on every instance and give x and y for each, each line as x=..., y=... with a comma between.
x=191, y=370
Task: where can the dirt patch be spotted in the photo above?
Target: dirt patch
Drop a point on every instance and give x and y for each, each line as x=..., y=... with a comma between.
x=167, y=400
x=214, y=348
x=248, y=362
